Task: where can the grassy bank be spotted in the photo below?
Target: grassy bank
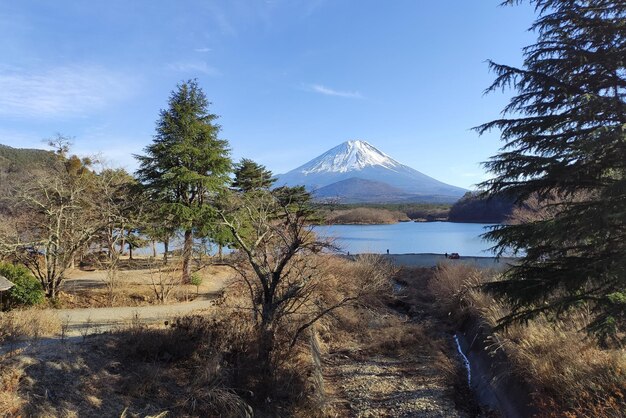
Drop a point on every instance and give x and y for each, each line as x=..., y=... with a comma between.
x=570, y=374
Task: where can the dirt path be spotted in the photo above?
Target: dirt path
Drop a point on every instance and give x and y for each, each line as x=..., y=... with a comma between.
x=97, y=320
x=404, y=367
x=87, y=321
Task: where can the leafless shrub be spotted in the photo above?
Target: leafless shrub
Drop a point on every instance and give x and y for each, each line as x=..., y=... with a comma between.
x=65, y=325
x=163, y=281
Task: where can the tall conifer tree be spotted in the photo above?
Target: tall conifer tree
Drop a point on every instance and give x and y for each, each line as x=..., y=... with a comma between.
x=565, y=135
x=187, y=164
x=250, y=176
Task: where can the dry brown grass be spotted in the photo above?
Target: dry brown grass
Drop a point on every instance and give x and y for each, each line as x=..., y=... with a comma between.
x=179, y=370
x=206, y=366
x=571, y=374
x=10, y=400
x=386, y=323
x=139, y=287
x=21, y=324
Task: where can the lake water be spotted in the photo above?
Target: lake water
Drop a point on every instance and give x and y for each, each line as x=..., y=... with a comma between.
x=400, y=238
x=411, y=237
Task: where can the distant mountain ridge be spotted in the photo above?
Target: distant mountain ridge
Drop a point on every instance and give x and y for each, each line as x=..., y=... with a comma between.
x=354, y=190
x=357, y=171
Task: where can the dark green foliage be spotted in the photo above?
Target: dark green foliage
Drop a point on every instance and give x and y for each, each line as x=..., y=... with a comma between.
x=252, y=176
x=186, y=161
x=27, y=290
x=296, y=197
x=565, y=140
x=475, y=207
x=187, y=164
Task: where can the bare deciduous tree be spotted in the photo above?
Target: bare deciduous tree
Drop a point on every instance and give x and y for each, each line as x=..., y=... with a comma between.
x=54, y=217
x=55, y=212
x=278, y=262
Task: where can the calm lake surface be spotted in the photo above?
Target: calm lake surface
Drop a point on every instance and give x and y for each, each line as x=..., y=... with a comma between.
x=400, y=238
x=411, y=237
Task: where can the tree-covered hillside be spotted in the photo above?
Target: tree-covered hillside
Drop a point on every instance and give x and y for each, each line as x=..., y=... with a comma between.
x=20, y=159
x=474, y=207
x=15, y=163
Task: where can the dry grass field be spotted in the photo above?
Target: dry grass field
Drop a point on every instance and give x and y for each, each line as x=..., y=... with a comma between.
x=375, y=358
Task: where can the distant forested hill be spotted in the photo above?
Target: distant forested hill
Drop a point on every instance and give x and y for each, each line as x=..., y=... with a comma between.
x=21, y=159
x=15, y=163
x=474, y=208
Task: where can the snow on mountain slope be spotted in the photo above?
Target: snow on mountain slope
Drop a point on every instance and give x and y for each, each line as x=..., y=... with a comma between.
x=359, y=159
x=348, y=156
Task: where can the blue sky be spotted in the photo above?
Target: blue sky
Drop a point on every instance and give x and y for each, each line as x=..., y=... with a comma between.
x=288, y=78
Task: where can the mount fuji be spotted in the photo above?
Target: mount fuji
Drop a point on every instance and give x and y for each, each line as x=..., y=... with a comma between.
x=357, y=172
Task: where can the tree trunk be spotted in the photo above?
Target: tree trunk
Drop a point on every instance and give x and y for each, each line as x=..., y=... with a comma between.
x=266, y=337
x=130, y=252
x=266, y=347
x=154, y=252
x=166, y=249
x=219, y=252
x=187, y=252
x=51, y=291
x=122, y=243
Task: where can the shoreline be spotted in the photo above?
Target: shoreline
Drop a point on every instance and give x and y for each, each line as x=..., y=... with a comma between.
x=432, y=259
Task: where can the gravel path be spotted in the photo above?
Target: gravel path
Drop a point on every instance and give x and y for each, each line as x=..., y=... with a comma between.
x=388, y=387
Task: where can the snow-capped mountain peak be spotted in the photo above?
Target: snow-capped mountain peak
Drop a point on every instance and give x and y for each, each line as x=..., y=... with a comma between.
x=356, y=168
x=352, y=155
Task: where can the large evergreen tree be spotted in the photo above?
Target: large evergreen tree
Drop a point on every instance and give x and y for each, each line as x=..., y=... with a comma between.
x=565, y=134
x=187, y=164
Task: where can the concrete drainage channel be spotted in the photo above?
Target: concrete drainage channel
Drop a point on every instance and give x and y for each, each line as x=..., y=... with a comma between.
x=489, y=377
x=466, y=362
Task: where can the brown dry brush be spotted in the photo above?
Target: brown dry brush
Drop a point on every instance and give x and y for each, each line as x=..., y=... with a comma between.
x=419, y=301
x=329, y=284
x=197, y=366
x=204, y=355
x=10, y=400
x=25, y=324
x=185, y=369
x=572, y=375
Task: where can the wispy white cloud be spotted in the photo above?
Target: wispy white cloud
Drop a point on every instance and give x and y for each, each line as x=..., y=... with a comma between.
x=219, y=13
x=60, y=92
x=327, y=91
x=194, y=67
x=202, y=50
